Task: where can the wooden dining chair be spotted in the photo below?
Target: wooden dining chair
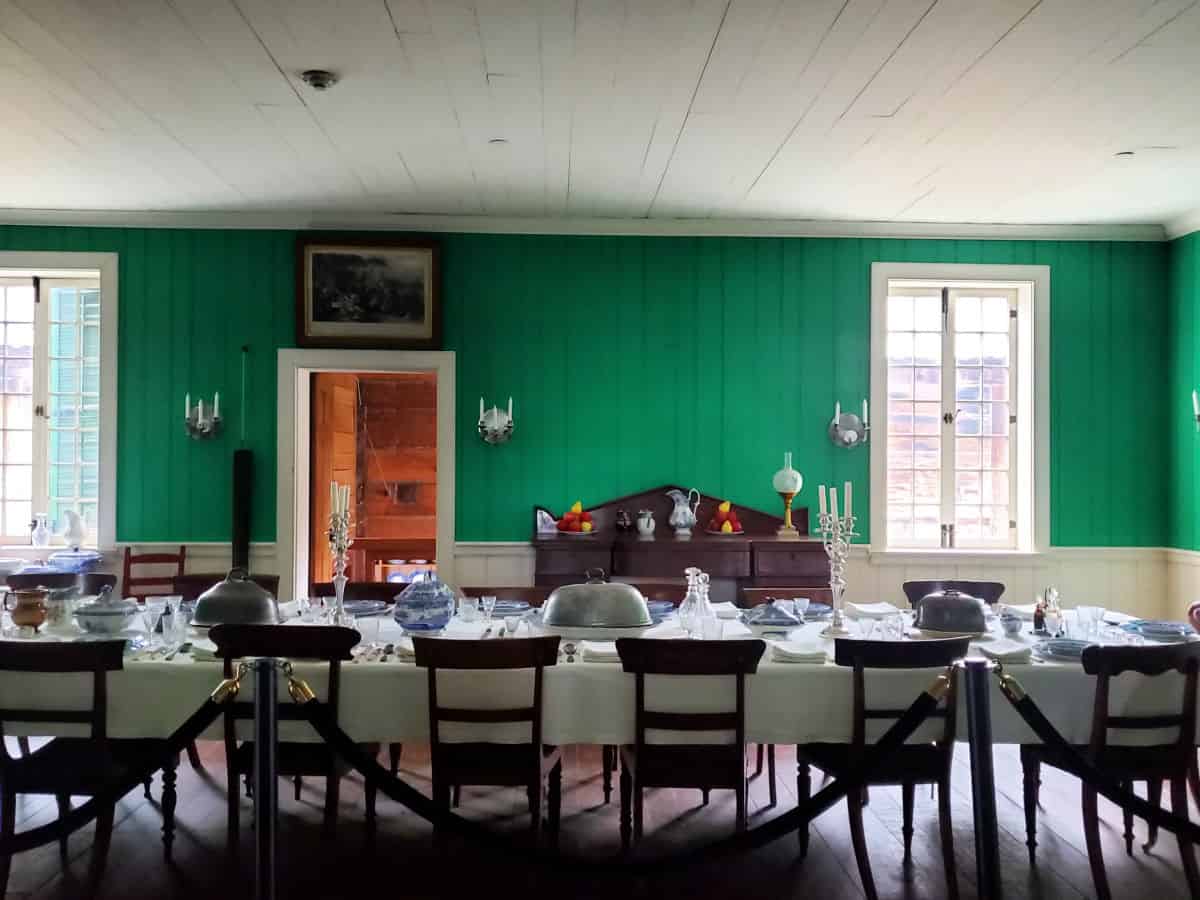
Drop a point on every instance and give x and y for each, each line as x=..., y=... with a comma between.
x=91, y=582
x=685, y=765
x=989, y=592
x=533, y=765
x=910, y=765
x=1173, y=761
x=142, y=586
x=193, y=584
x=74, y=766
x=358, y=590
x=327, y=644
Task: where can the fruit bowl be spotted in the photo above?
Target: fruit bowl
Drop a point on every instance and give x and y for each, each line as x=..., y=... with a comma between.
x=576, y=521
x=719, y=533
x=576, y=533
x=724, y=515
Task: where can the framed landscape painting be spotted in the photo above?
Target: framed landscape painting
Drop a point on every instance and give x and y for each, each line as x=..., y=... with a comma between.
x=367, y=292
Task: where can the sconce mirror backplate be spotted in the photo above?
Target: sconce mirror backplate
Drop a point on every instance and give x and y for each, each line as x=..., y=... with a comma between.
x=848, y=431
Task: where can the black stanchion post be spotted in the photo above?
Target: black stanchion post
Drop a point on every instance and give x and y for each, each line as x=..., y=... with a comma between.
x=266, y=797
x=983, y=779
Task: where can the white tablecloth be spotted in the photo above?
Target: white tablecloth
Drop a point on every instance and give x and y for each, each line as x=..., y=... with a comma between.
x=585, y=702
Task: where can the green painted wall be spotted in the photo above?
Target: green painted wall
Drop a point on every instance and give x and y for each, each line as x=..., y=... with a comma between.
x=1184, y=446
x=632, y=362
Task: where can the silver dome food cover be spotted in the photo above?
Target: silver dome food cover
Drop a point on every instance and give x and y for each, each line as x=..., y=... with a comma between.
x=237, y=600
x=596, y=604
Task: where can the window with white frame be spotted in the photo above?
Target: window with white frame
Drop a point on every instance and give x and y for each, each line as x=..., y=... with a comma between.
x=954, y=371
x=50, y=350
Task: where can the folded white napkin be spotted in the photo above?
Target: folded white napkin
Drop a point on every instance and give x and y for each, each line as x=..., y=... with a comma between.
x=871, y=610
x=1007, y=651
x=203, y=649
x=1024, y=610
x=289, y=610
x=599, y=651
x=799, y=652
x=725, y=610
x=1112, y=617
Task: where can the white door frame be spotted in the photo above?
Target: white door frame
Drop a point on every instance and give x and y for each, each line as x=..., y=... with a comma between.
x=292, y=464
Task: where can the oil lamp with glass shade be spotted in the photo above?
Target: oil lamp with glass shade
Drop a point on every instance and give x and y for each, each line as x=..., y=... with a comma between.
x=787, y=483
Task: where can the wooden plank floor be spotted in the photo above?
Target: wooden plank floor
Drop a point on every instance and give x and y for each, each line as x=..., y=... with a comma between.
x=405, y=863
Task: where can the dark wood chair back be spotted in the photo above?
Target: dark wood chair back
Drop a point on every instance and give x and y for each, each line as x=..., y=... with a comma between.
x=357, y=590
x=142, y=586
x=989, y=592
x=51, y=581
x=643, y=657
x=1107, y=663
x=192, y=585
x=97, y=657
x=92, y=582
x=517, y=653
x=758, y=596
x=934, y=654
x=534, y=596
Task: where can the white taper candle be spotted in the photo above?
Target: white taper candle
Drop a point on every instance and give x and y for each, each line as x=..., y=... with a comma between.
x=217, y=405
x=821, y=499
x=187, y=404
x=833, y=502
x=849, y=509
x=864, y=412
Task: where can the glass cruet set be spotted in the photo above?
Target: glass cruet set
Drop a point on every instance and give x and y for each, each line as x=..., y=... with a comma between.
x=696, y=609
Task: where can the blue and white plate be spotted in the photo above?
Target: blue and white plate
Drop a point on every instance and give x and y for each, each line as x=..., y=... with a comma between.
x=818, y=611
x=1160, y=631
x=359, y=608
x=1060, y=649
x=511, y=608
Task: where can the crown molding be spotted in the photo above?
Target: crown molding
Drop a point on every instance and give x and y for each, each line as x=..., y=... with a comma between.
x=1177, y=228
x=302, y=220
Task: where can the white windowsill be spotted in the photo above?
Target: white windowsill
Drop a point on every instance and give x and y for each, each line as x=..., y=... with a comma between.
x=957, y=555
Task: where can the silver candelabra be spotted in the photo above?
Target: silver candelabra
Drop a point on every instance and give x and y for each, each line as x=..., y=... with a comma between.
x=339, y=546
x=837, y=533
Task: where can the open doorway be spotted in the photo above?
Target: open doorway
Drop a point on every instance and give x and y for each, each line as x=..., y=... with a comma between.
x=378, y=433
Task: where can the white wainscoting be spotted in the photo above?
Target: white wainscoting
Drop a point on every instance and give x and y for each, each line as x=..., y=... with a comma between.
x=1148, y=581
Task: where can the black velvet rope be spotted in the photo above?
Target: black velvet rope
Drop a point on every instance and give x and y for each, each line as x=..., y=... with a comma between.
x=406, y=795
x=1078, y=765
x=118, y=788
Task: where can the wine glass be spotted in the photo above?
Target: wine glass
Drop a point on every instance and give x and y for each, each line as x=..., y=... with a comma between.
x=489, y=607
x=800, y=605
x=152, y=616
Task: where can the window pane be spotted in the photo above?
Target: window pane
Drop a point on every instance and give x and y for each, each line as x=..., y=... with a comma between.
x=64, y=411
x=967, y=315
x=64, y=376
x=89, y=446
x=900, y=523
x=89, y=413
x=89, y=482
x=966, y=523
x=64, y=305
x=927, y=350
x=900, y=417
x=90, y=516
x=995, y=384
x=995, y=488
x=900, y=314
x=927, y=418
x=968, y=384
x=927, y=452
x=927, y=525
x=62, y=446
x=18, y=447
x=967, y=453
x=18, y=482
x=64, y=340
x=928, y=384
x=18, y=376
x=995, y=453
x=967, y=487
x=993, y=523
x=967, y=420
x=995, y=349
x=63, y=482
x=927, y=314
x=91, y=342
x=900, y=383
x=927, y=486
x=18, y=340
x=90, y=302
x=900, y=486
x=900, y=453
x=17, y=517
x=994, y=417
x=900, y=349
x=20, y=305
x=995, y=314
x=91, y=378
x=967, y=349
x=18, y=412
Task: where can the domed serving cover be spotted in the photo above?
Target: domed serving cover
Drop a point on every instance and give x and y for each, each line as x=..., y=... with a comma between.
x=951, y=610
x=238, y=600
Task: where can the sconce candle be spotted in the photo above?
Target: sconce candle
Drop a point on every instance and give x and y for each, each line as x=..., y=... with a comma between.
x=495, y=426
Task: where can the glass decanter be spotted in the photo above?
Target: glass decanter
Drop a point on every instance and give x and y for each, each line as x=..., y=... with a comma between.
x=691, y=604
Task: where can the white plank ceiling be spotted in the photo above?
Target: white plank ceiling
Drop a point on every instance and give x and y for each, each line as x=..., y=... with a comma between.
x=879, y=110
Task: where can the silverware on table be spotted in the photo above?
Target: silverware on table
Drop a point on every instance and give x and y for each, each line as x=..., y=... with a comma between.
x=182, y=648
x=486, y=632
x=387, y=651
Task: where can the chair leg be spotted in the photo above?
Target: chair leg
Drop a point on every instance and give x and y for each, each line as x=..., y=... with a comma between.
x=1194, y=781
x=626, y=782
x=758, y=761
x=8, y=827
x=772, y=792
x=370, y=800
x=23, y=745
x=1091, y=833
x=457, y=795
x=554, y=802
x=297, y=786
x=947, y=832
x=146, y=788
x=607, y=764
x=537, y=798
x=193, y=755
x=333, y=786
x=1187, y=851
x=64, y=807
x=908, y=792
x=1127, y=816
x=704, y=796
x=232, y=811
x=394, y=751
x=803, y=792
x=739, y=822
x=1032, y=771
x=441, y=796
x=170, y=799
x=639, y=809
x=104, y=828
x=859, y=839
x=1154, y=795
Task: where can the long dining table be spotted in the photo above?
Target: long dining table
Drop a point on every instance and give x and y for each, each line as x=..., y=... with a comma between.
x=585, y=702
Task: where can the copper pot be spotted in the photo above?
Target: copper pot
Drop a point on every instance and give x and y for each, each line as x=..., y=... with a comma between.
x=29, y=609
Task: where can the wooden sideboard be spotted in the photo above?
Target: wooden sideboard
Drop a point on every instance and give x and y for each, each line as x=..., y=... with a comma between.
x=757, y=558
